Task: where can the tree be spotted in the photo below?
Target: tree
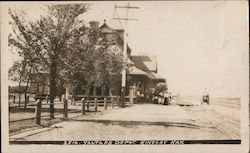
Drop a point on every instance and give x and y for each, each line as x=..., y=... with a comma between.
x=20, y=72
x=25, y=43
x=77, y=66
x=17, y=74
x=97, y=61
x=47, y=38
x=115, y=66
x=108, y=65
x=60, y=44
x=161, y=87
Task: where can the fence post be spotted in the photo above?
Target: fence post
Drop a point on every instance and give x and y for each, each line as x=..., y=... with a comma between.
x=38, y=111
x=96, y=103
x=14, y=99
x=72, y=100
x=28, y=99
x=25, y=101
x=83, y=106
x=105, y=103
x=65, y=104
x=112, y=102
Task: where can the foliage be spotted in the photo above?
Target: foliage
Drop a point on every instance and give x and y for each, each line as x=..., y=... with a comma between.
x=108, y=65
x=20, y=72
x=98, y=62
x=77, y=62
x=161, y=87
x=45, y=40
x=17, y=89
x=16, y=72
x=60, y=44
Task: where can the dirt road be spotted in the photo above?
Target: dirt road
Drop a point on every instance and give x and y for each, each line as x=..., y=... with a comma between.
x=141, y=121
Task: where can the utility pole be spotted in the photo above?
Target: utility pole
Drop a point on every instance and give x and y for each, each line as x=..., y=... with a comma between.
x=125, y=35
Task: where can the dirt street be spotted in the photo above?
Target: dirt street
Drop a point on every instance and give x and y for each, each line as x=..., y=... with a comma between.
x=145, y=121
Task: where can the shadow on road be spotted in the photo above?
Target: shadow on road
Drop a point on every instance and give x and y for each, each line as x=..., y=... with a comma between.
x=132, y=124
x=32, y=110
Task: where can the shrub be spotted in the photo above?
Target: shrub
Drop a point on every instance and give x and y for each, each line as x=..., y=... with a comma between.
x=161, y=87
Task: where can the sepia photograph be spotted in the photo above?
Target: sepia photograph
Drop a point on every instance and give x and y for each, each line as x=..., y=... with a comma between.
x=142, y=75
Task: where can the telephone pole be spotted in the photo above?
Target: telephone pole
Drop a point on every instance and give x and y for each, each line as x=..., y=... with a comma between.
x=125, y=35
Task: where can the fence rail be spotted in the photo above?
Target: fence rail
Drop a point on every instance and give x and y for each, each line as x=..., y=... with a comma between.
x=86, y=103
x=85, y=106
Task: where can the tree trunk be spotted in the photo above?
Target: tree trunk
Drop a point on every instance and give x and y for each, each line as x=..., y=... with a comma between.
x=43, y=88
x=103, y=92
x=25, y=95
x=88, y=92
x=110, y=91
x=53, y=77
x=37, y=88
x=88, y=96
x=73, y=95
x=19, y=94
x=94, y=91
x=67, y=92
x=25, y=100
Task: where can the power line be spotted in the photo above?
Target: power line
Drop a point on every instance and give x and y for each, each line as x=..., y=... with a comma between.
x=115, y=12
x=126, y=19
x=127, y=7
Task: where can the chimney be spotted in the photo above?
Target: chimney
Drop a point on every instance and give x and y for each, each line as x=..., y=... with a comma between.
x=94, y=24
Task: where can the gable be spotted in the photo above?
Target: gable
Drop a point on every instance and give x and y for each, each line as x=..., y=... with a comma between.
x=145, y=63
x=119, y=32
x=106, y=29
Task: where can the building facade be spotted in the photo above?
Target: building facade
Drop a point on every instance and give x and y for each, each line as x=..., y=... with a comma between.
x=141, y=75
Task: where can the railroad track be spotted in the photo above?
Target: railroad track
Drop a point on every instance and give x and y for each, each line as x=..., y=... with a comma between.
x=218, y=126
x=224, y=130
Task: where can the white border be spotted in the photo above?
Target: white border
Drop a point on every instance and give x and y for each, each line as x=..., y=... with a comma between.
x=244, y=147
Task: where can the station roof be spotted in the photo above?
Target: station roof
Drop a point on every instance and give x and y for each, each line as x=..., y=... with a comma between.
x=145, y=63
x=136, y=71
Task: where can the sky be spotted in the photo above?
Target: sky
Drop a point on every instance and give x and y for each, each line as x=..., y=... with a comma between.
x=198, y=44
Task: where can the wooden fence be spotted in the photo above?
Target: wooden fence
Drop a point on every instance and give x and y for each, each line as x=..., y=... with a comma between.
x=95, y=102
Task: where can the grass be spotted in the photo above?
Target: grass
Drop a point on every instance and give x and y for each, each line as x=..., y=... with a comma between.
x=22, y=119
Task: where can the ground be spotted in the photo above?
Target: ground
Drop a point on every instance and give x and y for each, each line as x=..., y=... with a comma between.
x=185, y=118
